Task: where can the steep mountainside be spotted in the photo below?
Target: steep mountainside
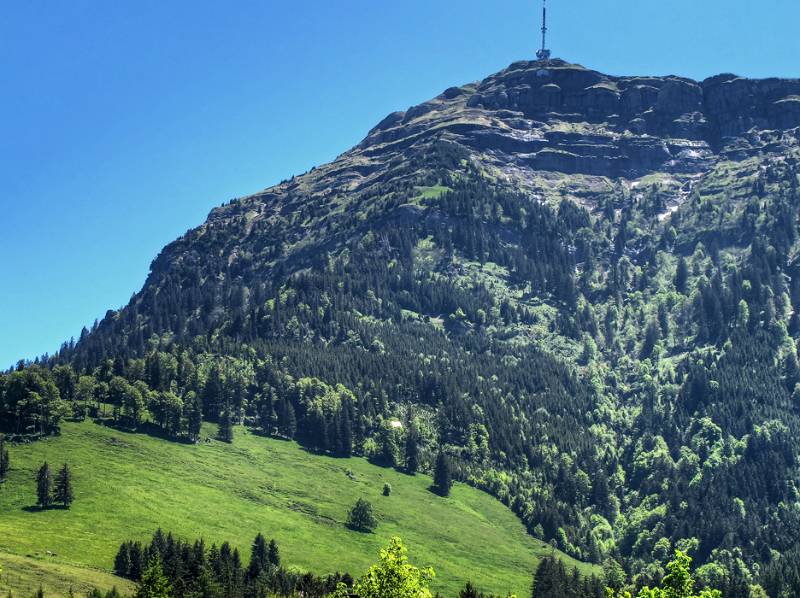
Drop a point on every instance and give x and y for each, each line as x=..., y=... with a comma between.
x=582, y=287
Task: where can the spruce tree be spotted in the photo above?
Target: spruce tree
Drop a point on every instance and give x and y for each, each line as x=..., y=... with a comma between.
x=273, y=555
x=44, y=484
x=258, y=557
x=412, y=451
x=194, y=417
x=387, y=448
x=289, y=423
x=4, y=460
x=681, y=275
x=469, y=591
x=137, y=561
x=265, y=418
x=63, y=493
x=226, y=425
x=122, y=562
x=154, y=583
x=442, y=477
x=346, y=434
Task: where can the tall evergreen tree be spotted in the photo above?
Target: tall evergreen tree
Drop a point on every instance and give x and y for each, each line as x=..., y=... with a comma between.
x=122, y=562
x=154, y=583
x=550, y=579
x=194, y=416
x=288, y=420
x=258, y=557
x=681, y=275
x=442, y=476
x=412, y=450
x=63, y=493
x=137, y=560
x=273, y=554
x=44, y=484
x=346, y=433
x=226, y=424
x=265, y=418
x=4, y=458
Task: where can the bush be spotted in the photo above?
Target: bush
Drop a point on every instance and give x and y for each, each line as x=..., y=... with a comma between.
x=361, y=517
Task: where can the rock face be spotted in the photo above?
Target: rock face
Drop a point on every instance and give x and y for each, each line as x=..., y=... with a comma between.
x=556, y=130
x=722, y=106
x=566, y=118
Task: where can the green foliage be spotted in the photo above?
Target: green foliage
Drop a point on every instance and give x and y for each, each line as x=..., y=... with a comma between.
x=392, y=577
x=62, y=490
x=678, y=583
x=44, y=486
x=361, y=517
x=5, y=460
x=442, y=476
x=154, y=584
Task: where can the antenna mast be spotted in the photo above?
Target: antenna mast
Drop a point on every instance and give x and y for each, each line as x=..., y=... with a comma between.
x=544, y=53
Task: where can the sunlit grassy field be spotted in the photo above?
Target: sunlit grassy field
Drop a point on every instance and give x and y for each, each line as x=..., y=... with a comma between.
x=127, y=485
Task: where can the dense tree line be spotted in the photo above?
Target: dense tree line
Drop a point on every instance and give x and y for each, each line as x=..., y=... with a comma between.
x=194, y=569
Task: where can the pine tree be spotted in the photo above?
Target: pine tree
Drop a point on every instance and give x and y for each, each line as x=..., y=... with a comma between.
x=387, y=448
x=63, y=492
x=258, y=557
x=226, y=425
x=469, y=591
x=265, y=419
x=791, y=371
x=273, y=554
x=550, y=579
x=4, y=459
x=681, y=275
x=154, y=583
x=412, y=451
x=44, y=483
x=346, y=434
x=137, y=561
x=442, y=477
x=194, y=416
x=289, y=423
x=122, y=562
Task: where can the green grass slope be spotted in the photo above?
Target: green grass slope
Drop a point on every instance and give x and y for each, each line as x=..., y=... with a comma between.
x=23, y=575
x=129, y=484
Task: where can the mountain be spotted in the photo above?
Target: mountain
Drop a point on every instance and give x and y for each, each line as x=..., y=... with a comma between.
x=583, y=288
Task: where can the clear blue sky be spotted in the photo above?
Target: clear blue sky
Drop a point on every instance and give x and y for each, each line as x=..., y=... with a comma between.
x=123, y=123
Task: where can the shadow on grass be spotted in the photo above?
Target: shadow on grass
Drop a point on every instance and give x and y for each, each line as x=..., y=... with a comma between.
x=38, y=508
x=147, y=429
x=434, y=490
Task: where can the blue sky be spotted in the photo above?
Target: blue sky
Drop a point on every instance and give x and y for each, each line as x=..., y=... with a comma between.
x=123, y=123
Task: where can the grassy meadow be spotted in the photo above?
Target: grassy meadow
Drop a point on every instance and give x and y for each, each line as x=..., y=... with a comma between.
x=128, y=484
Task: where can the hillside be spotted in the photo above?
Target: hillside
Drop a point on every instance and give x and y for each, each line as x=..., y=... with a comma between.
x=127, y=485
x=24, y=575
x=582, y=288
